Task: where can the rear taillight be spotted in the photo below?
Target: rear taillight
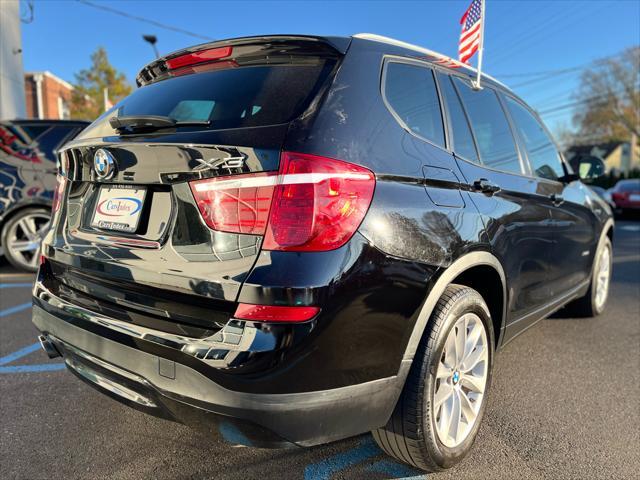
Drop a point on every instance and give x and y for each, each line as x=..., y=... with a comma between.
x=58, y=193
x=202, y=56
x=236, y=204
x=619, y=196
x=317, y=203
x=272, y=313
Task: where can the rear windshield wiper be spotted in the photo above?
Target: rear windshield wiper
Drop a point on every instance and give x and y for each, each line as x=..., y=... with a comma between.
x=148, y=123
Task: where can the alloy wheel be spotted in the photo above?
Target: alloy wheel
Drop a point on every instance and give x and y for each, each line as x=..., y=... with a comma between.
x=461, y=379
x=603, y=277
x=25, y=236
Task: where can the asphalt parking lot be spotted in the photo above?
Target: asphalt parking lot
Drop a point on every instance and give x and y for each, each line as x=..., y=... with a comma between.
x=565, y=403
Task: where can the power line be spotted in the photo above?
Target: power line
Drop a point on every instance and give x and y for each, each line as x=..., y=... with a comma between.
x=552, y=74
x=557, y=23
x=563, y=97
x=575, y=103
x=143, y=19
x=537, y=74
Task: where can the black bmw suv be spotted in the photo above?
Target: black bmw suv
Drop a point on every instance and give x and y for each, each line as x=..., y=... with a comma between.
x=312, y=238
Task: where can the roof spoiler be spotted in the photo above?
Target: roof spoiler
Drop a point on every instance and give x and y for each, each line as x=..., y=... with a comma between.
x=160, y=67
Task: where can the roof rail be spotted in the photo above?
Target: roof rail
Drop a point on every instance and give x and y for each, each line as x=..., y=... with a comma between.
x=398, y=43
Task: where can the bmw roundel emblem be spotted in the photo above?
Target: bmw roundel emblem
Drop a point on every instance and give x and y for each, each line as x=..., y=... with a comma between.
x=104, y=164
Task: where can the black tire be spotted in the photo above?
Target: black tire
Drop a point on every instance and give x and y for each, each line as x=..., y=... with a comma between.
x=12, y=257
x=586, y=305
x=410, y=434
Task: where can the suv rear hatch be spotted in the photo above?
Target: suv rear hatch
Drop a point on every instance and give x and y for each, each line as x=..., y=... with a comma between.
x=131, y=239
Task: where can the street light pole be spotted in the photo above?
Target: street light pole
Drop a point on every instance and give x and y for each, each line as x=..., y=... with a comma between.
x=152, y=39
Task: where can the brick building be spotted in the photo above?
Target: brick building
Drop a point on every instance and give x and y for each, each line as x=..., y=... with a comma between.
x=47, y=96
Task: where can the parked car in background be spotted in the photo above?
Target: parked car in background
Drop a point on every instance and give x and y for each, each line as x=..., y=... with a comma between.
x=312, y=238
x=27, y=183
x=605, y=195
x=626, y=195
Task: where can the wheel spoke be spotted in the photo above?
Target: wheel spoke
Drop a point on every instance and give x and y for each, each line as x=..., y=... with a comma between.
x=44, y=228
x=460, y=339
x=472, y=340
x=474, y=358
x=454, y=419
x=444, y=371
x=445, y=416
x=444, y=392
x=23, y=245
x=468, y=411
x=34, y=259
x=28, y=226
x=472, y=382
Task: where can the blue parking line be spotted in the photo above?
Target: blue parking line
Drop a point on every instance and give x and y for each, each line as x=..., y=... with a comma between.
x=23, y=352
x=232, y=435
x=20, y=353
x=15, y=285
x=16, y=309
x=45, y=367
x=326, y=468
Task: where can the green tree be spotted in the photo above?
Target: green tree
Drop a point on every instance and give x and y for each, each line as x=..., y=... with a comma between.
x=87, y=100
x=609, y=99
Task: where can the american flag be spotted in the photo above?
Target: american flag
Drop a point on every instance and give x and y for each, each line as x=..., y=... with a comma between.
x=471, y=23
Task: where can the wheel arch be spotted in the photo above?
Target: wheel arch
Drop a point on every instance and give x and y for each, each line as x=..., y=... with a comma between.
x=467, y=270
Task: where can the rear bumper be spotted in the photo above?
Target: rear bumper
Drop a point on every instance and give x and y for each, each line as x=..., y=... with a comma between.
x=171, y=390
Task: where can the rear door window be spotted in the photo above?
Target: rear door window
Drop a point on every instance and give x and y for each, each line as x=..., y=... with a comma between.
x=541, y=152
x=410, y=91
x=496, y=145
x=461, y=138
x=250, y=96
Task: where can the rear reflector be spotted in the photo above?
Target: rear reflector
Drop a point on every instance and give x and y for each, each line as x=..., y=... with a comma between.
x=202, y=56
x=312, y=204
x=270, y=313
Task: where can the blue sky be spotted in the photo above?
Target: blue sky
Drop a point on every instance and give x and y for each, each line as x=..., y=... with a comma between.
x=521, y=36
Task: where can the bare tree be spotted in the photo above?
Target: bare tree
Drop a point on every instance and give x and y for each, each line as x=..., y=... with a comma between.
x=608, y=99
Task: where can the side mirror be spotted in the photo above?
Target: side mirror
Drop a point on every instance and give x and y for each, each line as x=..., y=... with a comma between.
x=588, y=167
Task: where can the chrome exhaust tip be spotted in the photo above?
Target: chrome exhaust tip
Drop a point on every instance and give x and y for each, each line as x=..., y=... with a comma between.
x=48, y=347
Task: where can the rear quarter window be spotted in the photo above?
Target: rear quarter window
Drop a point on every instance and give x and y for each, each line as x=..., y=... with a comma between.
x=411, y=94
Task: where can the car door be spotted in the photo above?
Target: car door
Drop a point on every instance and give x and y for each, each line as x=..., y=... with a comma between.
x=574, y=223
x=516, y=208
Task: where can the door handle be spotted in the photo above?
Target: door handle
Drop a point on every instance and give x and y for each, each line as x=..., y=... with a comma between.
x=556, y=199
x=485, y=186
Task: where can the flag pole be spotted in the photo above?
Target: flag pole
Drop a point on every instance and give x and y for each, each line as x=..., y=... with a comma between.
x=477, y=86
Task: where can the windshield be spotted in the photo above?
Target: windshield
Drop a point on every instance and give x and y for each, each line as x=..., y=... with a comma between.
x=232, y=98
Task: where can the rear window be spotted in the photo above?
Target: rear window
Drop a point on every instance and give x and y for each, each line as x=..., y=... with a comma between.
x=242, y=97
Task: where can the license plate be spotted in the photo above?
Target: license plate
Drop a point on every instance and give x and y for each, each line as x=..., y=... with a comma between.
x=119, y=208
x=634, y=198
